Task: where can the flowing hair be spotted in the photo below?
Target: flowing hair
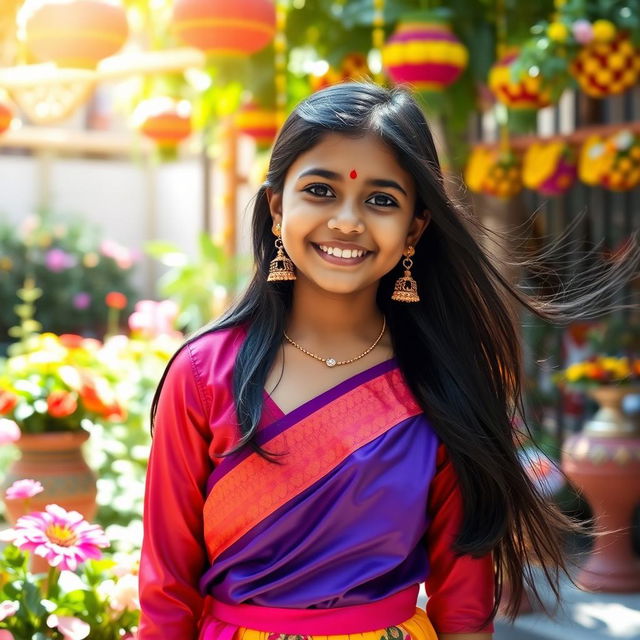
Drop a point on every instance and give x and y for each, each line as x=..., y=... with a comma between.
x=458, y=348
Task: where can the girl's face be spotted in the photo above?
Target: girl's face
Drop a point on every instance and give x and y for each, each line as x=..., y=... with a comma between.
x=347, y=213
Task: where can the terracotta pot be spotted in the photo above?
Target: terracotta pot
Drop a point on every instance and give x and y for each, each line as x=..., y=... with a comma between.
x=57, y=462
x=603, y=462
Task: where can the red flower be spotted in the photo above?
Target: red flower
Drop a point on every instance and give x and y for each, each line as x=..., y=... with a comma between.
x=61, y=404
x=116, y=300
x=91, y=400
x=115, y=412
x=8, y=401
x=71, y=340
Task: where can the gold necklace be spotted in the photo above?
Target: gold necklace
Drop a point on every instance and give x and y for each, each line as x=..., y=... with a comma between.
x=332, y=362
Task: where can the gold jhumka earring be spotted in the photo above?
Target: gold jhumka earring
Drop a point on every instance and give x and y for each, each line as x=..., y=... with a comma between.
x=281, y=267
x=406, y=288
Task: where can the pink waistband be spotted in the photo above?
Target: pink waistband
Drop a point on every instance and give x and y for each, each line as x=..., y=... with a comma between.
x=360, y=618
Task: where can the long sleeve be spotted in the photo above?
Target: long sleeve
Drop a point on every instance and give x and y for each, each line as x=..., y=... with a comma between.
x=173, y=553
x=460, y=588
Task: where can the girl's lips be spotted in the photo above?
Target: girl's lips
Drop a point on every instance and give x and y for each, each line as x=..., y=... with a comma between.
x=341, y=261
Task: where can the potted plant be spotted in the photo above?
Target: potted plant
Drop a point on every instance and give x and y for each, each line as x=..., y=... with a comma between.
x=50, y=386
x=603, y=460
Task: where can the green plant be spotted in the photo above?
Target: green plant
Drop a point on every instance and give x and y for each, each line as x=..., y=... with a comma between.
x=199, y=286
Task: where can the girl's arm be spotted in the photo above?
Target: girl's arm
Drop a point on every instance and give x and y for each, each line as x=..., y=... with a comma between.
x=460, y=587
x=173, y=554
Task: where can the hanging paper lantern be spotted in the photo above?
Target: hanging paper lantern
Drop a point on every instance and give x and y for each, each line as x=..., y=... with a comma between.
x=549, y=168
x=493, y=172
x=425, y=54
x=164, y=120
x=76, y=34
x=594, y=161
x=606, y=68
x=221, y=27
x=613, y=163
x=6, y=116
x=260, y=124
x=624, y=172
x=528, y=92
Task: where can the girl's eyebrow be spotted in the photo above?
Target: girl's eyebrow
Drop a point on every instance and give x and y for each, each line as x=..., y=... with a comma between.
x=332, y=175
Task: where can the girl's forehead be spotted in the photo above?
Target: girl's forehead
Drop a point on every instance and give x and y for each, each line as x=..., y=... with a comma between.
x=344, y=154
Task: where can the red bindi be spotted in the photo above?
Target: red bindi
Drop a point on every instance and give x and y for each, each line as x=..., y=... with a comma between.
x=353, y=174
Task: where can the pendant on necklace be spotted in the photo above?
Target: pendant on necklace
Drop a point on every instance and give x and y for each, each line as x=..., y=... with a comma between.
x=330, y=362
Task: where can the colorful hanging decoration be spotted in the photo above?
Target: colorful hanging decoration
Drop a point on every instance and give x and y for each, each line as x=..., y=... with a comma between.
x=589, y=42
x=549, y=167
x=528, y=92
x=353, y=67
x=494, y=172
x=223, y=27
x=607, y=65
x=280, y=64
x=612, y=163
x=424, y=53
x=6, y=116
x=76, y=34
x=258, y=123
x=164, y=120
x=377, y=36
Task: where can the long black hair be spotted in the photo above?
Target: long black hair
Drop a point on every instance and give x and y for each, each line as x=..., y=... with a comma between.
x=458, y=349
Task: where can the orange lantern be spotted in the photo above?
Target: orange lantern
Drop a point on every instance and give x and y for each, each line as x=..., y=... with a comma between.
x=528, y=92
x=424, y=53
x=164, y=120
x=258, y=123
x=220, y=27
x=77, y=33
x=6, y=116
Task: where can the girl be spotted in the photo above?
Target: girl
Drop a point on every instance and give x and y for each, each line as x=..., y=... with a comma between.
x=344, y=432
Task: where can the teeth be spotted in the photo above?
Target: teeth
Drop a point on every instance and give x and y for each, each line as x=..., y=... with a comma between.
x=342, y=253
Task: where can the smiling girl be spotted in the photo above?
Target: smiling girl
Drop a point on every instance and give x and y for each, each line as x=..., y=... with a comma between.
x=344, y=433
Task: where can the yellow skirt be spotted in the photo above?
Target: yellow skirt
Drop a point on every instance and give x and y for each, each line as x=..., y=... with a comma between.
x=417, y=627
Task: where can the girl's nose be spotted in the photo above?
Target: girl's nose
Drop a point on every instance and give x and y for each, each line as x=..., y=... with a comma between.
x=347, y=220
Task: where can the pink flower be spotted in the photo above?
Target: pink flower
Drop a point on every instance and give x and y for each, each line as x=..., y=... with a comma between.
x=582, y=31
x=122, y=256
x=62, y=537
x=9, y=431
x=8, y=608
x=71, y=628
x=81, y=300
x=23, y=489
x=57, y=260
x=6, y=635
x=151, y=318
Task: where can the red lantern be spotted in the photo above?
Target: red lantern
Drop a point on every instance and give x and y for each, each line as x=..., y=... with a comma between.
x=221, y=27
x=6, y=116
x=260, y=124
x=164, y=120
x=425, y=54
x=76, y=34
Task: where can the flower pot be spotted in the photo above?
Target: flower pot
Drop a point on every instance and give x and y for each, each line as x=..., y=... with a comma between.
x=603, y=462
x=56, y=460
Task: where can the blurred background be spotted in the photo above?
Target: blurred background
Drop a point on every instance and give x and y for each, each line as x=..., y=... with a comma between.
x=133, y=135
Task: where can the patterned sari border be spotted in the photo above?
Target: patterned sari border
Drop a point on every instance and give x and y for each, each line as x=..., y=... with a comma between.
x=270, y=431
x=321, y=440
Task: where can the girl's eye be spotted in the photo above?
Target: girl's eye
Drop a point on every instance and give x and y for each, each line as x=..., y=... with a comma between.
x=381, y=200
x=320, y=190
